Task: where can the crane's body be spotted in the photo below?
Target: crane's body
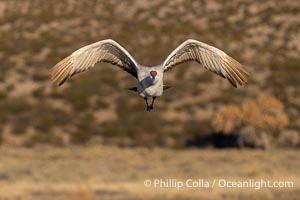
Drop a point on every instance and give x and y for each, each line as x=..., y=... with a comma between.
x=150, y=79
x=150, y=85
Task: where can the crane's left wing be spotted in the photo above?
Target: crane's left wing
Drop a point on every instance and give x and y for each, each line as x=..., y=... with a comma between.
x=210, y=58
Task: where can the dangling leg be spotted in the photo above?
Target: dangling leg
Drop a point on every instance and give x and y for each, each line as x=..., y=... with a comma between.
x=146, y=100
x=152, y=103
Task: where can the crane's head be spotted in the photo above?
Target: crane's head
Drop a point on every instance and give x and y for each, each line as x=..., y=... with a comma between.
x=153, y=74
x=150, y=78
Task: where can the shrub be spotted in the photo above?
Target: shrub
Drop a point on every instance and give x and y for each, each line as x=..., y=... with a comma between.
x=263, y=115
x=85, y=129
x=39, y=76
x=289, y=138
x=39, y=92
x=15, y=106
x=1, y=134
x=20, y=124
x=3, y=95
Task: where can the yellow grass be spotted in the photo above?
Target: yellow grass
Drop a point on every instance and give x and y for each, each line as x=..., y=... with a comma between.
x=103, y=172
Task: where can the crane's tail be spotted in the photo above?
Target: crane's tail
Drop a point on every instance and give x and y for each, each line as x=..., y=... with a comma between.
x=135, y=88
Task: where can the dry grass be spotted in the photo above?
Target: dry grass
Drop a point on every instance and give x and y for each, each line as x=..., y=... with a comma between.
x=102, y=172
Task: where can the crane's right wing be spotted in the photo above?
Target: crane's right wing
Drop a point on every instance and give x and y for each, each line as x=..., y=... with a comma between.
x=86, y=57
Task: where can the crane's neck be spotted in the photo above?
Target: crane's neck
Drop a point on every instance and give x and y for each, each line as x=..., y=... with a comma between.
x=148, y=81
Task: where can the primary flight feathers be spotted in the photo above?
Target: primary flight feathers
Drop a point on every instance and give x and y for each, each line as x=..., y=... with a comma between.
x=86, y=57
x=109, y=51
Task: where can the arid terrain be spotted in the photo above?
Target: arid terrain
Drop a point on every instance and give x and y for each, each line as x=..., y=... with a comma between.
x=93, y=139
x=35, y=35
x=103, y=172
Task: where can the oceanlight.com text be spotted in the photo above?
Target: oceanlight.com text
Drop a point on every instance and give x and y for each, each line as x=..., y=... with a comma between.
x=220, y=183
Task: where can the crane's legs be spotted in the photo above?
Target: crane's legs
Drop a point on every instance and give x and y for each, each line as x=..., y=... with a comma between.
x=146, y=100
x=149, y=108
x=152, y=103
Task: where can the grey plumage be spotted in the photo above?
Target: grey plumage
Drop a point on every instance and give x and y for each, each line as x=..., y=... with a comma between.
x=150, y=79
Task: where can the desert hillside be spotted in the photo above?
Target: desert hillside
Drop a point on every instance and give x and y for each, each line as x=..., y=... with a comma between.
x=96, y=106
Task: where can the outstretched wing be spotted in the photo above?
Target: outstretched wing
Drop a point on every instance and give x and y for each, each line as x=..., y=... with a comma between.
x=210, y=58
x=86, y=57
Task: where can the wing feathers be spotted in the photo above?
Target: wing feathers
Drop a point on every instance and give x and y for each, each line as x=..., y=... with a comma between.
x=86, y=57
x=211, y=58
x=109, y=51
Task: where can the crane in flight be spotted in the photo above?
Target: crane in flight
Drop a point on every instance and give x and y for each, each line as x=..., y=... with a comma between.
x=150, y=79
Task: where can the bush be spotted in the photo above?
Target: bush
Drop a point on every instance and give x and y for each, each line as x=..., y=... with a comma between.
x=1, y=134
x=86, y=127
x=261, y=116
x=39, y=92
x=3, y=95
x=289, y=138
x=15, y=106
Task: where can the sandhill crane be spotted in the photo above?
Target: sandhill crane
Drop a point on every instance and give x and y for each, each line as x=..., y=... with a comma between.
x=150, y=79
